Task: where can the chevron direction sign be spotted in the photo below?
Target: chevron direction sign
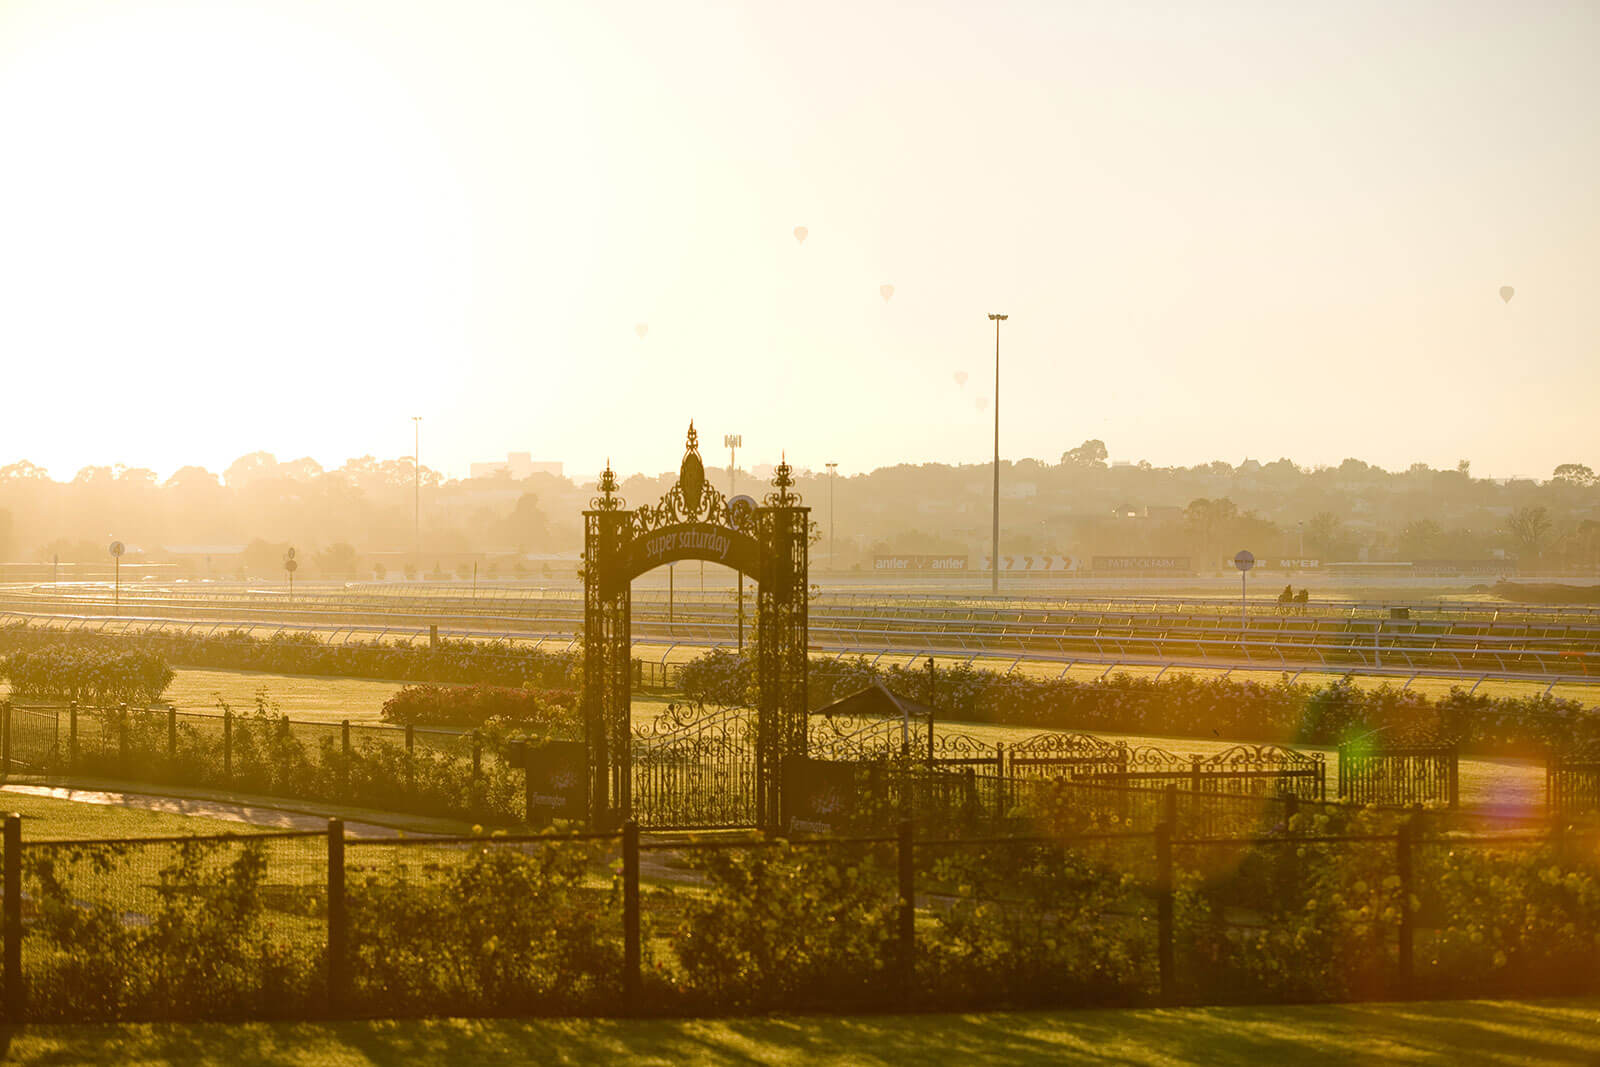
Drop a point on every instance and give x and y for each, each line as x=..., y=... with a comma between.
x=1033, y=564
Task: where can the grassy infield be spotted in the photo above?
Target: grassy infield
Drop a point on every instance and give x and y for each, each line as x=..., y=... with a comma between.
x=1548, y=1031
x=1504, y=1032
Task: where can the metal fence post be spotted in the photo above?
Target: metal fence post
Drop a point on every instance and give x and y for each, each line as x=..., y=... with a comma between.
x=999, y=783
x=338, y=922
x=411, y=760
x=477, y=769
x=630, y=916
x=5, y=738
x=344, y=748
x=72, y=736
x=13, y=917
x=908, y=911
x=1403, y=869
x=122, y=738
x=172, y=735
x=1164, y=960
x=227, y=746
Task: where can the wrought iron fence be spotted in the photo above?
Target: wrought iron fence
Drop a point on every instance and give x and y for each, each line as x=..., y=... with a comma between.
x=1399, y=774
x=1572, y=781
x=463, y=774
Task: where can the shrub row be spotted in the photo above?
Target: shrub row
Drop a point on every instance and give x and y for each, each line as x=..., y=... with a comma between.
x=86, y=674
x=467, y=706
x=303, y=653
x=230, y=930
x=1182, y=705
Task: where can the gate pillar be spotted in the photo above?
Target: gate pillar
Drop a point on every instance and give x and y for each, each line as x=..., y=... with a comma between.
x=607, y=667
x=781, y=628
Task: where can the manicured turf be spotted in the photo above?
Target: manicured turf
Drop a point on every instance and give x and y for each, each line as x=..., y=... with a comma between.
x=48, y=818
x=103, y=820
x=1488, y=1032
x=312, y=697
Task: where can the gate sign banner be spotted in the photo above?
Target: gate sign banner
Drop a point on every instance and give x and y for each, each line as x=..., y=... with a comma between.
x=1141, y=563
x=1033, y=563
x=819, y=795
x=693, y=540
x=919, y=563
x=556, y=778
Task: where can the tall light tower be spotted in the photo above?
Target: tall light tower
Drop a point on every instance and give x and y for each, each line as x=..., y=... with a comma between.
x=994, y=542
x=833, y=561
x=416, y=491
x=732, y=441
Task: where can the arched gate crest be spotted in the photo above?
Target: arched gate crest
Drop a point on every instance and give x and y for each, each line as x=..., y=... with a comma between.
x=767, y=543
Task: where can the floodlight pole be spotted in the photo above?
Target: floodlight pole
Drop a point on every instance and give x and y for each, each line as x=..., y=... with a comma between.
x=994, y=542
x=733, y=441
x=833, y=561
x=416, y=491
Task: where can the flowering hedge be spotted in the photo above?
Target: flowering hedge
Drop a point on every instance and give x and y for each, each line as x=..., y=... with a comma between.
x=467, y=706
x=89, y=675
x=1182, y=705
x=303, y=653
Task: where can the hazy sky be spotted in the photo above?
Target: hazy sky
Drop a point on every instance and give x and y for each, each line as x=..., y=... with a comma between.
x=1220, y=231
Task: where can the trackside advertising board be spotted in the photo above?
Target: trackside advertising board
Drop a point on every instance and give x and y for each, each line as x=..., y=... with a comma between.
x=1142, y=563
x=919, y=563
x=1033, y=563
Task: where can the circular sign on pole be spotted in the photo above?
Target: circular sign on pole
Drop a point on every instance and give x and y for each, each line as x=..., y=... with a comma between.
x=1244, y=560
x=118, y=548
x=291, y=565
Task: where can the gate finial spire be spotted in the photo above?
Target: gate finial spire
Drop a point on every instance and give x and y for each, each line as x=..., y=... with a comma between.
x=608, y=499
x=692, y=442
x=783, y=482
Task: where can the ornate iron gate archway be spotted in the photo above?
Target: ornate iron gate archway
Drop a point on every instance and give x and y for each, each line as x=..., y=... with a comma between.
x=768, y=543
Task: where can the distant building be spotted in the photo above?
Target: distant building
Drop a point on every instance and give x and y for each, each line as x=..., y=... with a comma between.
x=519, y=465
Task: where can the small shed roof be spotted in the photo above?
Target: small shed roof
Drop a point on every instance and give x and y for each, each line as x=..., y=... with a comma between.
x=876, y=701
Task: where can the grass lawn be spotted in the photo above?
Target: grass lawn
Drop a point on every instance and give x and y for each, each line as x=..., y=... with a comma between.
x=1449, y=1032
x=48, y=818
x=94, y=818
x=300, y=696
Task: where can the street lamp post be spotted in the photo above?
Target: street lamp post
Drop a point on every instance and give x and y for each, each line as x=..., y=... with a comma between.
x=416, y=491
x=731, y=441
x=117, y=548
x=994, y=541
x=833, y=560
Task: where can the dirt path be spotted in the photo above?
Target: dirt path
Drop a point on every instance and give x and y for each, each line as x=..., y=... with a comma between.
x=272, y=818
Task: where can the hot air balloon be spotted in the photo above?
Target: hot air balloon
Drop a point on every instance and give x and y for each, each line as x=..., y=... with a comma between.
x=983, y=403
x=960, y=376
x=641, y=329
x=886, y=291
x=1506, y=293
x=800, y=234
